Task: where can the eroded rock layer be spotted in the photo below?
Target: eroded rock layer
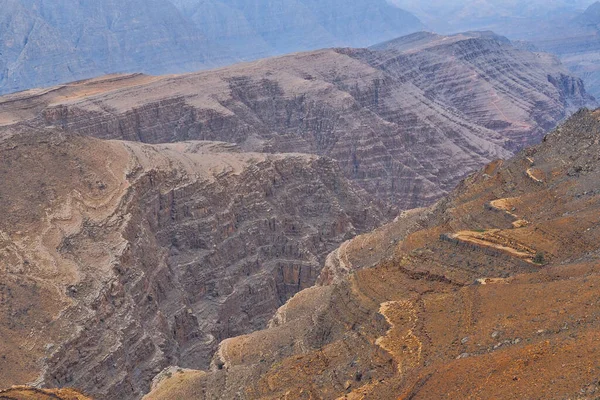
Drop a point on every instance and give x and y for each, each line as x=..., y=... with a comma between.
x=406, y=120
x=118, y=259
x=491, y=293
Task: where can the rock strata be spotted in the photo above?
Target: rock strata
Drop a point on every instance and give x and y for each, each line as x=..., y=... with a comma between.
x=119, y=259
x=406, y=120
x=512, y=314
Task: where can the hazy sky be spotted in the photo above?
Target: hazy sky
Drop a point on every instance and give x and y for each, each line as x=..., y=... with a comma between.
x=446, y=16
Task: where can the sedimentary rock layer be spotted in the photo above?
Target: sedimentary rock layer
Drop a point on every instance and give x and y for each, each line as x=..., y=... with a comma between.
x=464, y=303
x=406, y=120
x=118, y=259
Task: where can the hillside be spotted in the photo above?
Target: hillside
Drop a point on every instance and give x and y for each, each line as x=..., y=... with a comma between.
x=491, y=293
x=576, y=42
x=119, y=259
x=46, y=42
x=405, y=120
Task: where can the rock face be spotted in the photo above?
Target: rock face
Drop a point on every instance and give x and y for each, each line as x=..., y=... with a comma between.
x=491, y=293
x=119, y=259
x=255, y=27
x=406, y=120
x=577, y=43
x=45, y=42
x=28, y=393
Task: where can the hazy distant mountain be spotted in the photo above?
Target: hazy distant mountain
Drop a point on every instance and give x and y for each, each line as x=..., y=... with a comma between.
x=569, y=29
x=577, y=42
x=282, y=26
x=49, y=41
x=44, y=42
x=513, y=18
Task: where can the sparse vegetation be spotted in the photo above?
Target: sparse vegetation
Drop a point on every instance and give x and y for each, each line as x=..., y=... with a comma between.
x=539, y=258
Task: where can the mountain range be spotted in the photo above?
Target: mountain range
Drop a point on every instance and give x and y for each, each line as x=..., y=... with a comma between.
x=45, y=42
x=490, y=294
x=152, y=223
x=406, y=119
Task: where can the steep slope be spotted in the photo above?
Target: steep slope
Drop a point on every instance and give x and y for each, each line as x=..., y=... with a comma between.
x=278, y=27
x=491, y=293
x=27, y=393
x=405, y=120
x=48, y=42
x=118, y=259
x=576, y=42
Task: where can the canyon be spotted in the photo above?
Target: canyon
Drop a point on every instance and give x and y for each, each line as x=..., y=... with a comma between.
x=223, y=233
x=47, y=42
x=119, y=259
x=490, y=293
x=406, y=120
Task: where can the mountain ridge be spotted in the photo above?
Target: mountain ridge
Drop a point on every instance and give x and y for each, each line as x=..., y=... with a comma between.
x=497, y=280
x=377, y=112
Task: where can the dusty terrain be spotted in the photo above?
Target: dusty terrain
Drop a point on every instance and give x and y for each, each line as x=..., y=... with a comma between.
x=118, y=259
x=406, y=120
x=28, y=393
x=443, y=315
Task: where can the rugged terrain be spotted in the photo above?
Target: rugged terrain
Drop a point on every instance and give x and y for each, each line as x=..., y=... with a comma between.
x=29, y=393
x=45, y=42
x=118, y=259
x=406, y=120
x=577, y=43
x=491, y=293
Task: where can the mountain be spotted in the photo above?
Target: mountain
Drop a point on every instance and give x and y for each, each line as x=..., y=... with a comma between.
x=120, y=259
x=577, y=43
x=568, y=29
x=491, y=293
x=509, y=17
x=284, y=26
x=48, y=42
x=146, y=219
x=45, y=42
x=406, y=119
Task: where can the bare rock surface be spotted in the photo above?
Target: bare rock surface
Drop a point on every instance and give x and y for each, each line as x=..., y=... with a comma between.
x=46, y=42
x=406, y=120
x=491, y=293
x=119, y=259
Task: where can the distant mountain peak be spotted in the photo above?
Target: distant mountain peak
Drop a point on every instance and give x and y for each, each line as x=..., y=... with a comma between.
x=591, y=16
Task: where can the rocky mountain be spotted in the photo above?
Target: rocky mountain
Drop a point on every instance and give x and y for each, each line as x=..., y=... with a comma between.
x=48, y=42
x=491, y=293
x=406, y=119
x=119, y=259
x=29, y=393
x=577, y=43
x=147, y=219
x=258, y=28
x=45, y=42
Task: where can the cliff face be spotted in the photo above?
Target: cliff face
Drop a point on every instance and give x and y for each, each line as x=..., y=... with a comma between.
x=491, y=293
x=405, y=120
x=45, y=42
x=295, y=25
x=576, y=42
x=49, y=42
x=120, y=259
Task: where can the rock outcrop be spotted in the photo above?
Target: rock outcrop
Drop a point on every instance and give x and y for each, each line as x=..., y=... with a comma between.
x=406, y=120
x=119, y=259
x=491, y=293
x=29, y=393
